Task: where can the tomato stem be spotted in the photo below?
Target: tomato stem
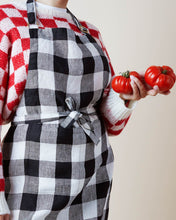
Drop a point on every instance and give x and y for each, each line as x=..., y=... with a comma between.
x=164, y=71
x=126, y=74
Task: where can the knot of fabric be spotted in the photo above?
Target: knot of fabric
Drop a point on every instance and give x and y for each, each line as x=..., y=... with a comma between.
x=77, y=116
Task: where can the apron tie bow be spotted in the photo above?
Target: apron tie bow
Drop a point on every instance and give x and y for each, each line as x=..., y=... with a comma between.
x=77, y=116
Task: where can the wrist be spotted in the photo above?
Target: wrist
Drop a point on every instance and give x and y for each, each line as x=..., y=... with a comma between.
x=125, y=100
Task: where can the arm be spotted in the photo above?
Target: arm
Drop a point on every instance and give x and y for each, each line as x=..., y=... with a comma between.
x=114, y=110
x=4, y=50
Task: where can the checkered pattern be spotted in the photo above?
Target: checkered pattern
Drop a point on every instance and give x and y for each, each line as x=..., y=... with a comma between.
x=74, y=178
x=53, y=171
x=14, y=61
x=14, y=38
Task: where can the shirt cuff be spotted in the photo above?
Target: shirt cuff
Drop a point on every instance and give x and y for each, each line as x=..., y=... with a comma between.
x=4, y=209
x=114, y=109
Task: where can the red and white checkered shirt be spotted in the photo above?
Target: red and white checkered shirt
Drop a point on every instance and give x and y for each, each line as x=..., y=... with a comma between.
x=14, y=58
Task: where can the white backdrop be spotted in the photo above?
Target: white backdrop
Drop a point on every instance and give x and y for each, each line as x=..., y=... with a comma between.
x=138, y=34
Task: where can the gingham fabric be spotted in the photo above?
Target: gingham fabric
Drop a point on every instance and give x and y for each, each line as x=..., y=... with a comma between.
x=14, y=59
x=55, y=169
x=14, y=53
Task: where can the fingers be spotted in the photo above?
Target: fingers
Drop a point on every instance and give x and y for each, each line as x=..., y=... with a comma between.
x=7, y=217
x=134, y=96
x=124, y=96
x=154, y=91
x=141, y=87
x=136, y=93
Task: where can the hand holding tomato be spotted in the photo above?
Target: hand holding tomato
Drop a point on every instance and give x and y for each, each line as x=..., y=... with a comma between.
x=138, y=87
x=129, y=88
x=139, y=90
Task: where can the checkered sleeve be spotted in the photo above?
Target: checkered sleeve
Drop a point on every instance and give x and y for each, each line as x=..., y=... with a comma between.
x=114, y=110
x=4, y=51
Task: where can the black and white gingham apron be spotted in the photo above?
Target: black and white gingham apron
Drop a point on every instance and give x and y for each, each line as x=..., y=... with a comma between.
x=57, y=160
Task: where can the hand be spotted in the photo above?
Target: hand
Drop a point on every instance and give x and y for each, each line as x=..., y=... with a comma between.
x=148, y=87
x=5, y=217
x=141, y=89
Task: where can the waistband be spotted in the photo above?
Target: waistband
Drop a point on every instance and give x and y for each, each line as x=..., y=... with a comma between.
x=71, y=116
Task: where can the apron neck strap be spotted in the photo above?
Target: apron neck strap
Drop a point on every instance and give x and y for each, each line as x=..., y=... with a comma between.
x=31, y=12
x=76, y=21
x=32, y=17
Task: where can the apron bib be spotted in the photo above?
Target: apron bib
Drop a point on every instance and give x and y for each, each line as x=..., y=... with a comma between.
x=57, y=160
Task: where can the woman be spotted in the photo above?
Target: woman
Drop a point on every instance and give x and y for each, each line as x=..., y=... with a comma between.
x=56, y=160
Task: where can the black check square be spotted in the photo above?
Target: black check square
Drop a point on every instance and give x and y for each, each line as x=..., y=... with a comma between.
x=29, y=202
x=60, y=34
x=63, y=170
x=31, y=167
x=32, y=97
x=61, y=65
x=89, y=65
x=33, y=61
x=33, y=132
x=60, y=202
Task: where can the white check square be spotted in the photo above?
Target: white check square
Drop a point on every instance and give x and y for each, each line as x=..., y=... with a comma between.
x=46, y=185
x=45, y=46
x=78, y=153
x=18, y=150
x=46, y=79
x=46, y=153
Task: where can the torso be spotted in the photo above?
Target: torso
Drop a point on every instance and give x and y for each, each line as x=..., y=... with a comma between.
x=15, y=15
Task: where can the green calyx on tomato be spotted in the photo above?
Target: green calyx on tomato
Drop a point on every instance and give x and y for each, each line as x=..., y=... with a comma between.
x=126, y=74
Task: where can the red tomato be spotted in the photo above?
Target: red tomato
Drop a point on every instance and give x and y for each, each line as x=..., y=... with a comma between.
x=121, y=83
x=163, y=77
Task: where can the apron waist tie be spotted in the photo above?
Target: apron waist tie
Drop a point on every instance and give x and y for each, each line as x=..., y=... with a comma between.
x=71, y=116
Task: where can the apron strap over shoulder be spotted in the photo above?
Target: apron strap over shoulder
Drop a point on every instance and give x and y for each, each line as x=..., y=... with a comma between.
x=78, y=24
x=31, y=12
